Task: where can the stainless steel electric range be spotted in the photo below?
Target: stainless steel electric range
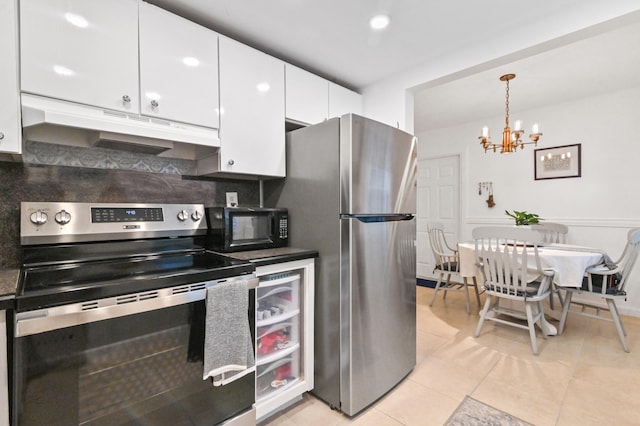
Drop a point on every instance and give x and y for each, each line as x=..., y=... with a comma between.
x=109, y=320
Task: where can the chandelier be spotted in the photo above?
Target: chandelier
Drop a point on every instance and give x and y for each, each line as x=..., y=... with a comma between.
x=510, y=138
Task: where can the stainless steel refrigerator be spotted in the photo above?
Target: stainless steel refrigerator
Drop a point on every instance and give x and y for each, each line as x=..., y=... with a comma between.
x=350, y=190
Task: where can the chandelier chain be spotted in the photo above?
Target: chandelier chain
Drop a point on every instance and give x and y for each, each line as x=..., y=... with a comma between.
x=506, y=117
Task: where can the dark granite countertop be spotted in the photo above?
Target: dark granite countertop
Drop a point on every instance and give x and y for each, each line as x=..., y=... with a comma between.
x=272, y=256
x=8, y=283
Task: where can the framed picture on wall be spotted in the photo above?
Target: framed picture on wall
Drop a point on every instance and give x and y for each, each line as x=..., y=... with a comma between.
x=557, y=162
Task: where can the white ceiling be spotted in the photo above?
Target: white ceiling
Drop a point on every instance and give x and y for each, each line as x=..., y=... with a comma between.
x=599, y=64
x=332, y=38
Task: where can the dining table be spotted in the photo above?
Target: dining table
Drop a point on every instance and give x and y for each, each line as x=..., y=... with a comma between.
x=568, y=261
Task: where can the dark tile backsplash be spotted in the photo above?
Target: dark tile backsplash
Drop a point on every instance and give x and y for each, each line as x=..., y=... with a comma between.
x=26, y=182
x=101, y=158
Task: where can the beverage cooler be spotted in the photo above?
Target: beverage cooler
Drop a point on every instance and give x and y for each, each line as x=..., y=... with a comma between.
x=284, y=335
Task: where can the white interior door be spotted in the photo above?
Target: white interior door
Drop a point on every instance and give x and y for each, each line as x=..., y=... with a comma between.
x=438, y=201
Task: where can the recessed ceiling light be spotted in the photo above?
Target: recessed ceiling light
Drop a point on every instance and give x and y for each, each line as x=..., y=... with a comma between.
x=191, y=61
x=77, y=20
x=379, y=22
x=263, y=87
x=60, y=70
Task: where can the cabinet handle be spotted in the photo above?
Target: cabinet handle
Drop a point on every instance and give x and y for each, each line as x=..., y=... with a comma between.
x=154, y=103
x=231, y=162
x=126, y=98
x=1, y=135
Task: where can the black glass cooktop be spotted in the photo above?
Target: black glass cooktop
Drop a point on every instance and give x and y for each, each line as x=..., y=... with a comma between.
x=97, y=273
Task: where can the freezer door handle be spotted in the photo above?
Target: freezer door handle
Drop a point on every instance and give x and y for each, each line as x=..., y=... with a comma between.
x=367, y=218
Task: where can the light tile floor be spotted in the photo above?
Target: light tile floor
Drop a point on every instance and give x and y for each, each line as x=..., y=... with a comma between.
x=580, y=378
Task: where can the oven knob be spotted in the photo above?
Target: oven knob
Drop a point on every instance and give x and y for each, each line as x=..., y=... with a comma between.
x=63, y=217
x=183, y=215
x=196, y=216
x=39, y=217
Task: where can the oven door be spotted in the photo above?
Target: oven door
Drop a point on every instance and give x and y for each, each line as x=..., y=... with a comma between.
x=142, y=365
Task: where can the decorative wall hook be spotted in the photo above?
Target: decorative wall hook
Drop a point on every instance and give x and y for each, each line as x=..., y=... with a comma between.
x=488, y=188
x=485, y=186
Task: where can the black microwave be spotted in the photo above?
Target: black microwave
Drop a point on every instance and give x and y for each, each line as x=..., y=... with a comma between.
x=245, y=228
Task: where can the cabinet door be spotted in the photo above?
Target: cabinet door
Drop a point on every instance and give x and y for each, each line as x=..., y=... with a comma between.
x=343, y=101
x=252, y=138
x=84, y=51
x=9, y=105
x=307, y=96
x=178, y=68
x=278, y=334
x=284, y=334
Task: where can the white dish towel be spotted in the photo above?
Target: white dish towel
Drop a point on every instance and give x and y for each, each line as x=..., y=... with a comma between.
x=228, y=350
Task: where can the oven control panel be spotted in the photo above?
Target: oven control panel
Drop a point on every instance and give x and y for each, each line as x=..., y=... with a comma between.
x=52, y=222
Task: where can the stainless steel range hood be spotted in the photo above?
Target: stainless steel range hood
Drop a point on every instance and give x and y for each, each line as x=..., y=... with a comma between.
x=66, y=123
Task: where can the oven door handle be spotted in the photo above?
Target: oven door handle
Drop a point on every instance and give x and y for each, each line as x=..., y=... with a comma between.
x=54, y=318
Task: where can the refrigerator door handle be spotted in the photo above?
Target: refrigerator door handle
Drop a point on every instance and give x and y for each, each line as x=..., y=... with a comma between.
x=367, y=218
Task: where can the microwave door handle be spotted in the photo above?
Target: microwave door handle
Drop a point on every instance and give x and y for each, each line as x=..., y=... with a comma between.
x=272, y=225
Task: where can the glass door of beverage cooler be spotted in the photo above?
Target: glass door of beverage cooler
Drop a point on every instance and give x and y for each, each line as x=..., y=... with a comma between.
x=284, y=341
x=278, y=333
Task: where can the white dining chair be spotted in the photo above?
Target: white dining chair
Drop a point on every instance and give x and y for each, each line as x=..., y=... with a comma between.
x=447, y=262
x=552, y=232
x=607, y=282
x=511, y=270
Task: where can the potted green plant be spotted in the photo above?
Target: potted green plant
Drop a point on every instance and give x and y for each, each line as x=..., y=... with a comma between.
x=524, y=218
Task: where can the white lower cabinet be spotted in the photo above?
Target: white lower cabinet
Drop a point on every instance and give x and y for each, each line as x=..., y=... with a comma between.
x=284, y=334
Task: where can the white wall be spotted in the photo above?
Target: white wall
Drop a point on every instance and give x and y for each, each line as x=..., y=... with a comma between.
x=599, y=207
x=390, y=100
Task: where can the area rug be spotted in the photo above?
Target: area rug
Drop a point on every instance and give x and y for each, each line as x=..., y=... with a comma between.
x=475, y=413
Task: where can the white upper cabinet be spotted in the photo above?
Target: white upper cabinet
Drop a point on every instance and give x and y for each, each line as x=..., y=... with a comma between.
x=178, y=68
x=84, y=51
x=9, y=104
x=252, y=134
x=307, y=96
x=343, y=101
